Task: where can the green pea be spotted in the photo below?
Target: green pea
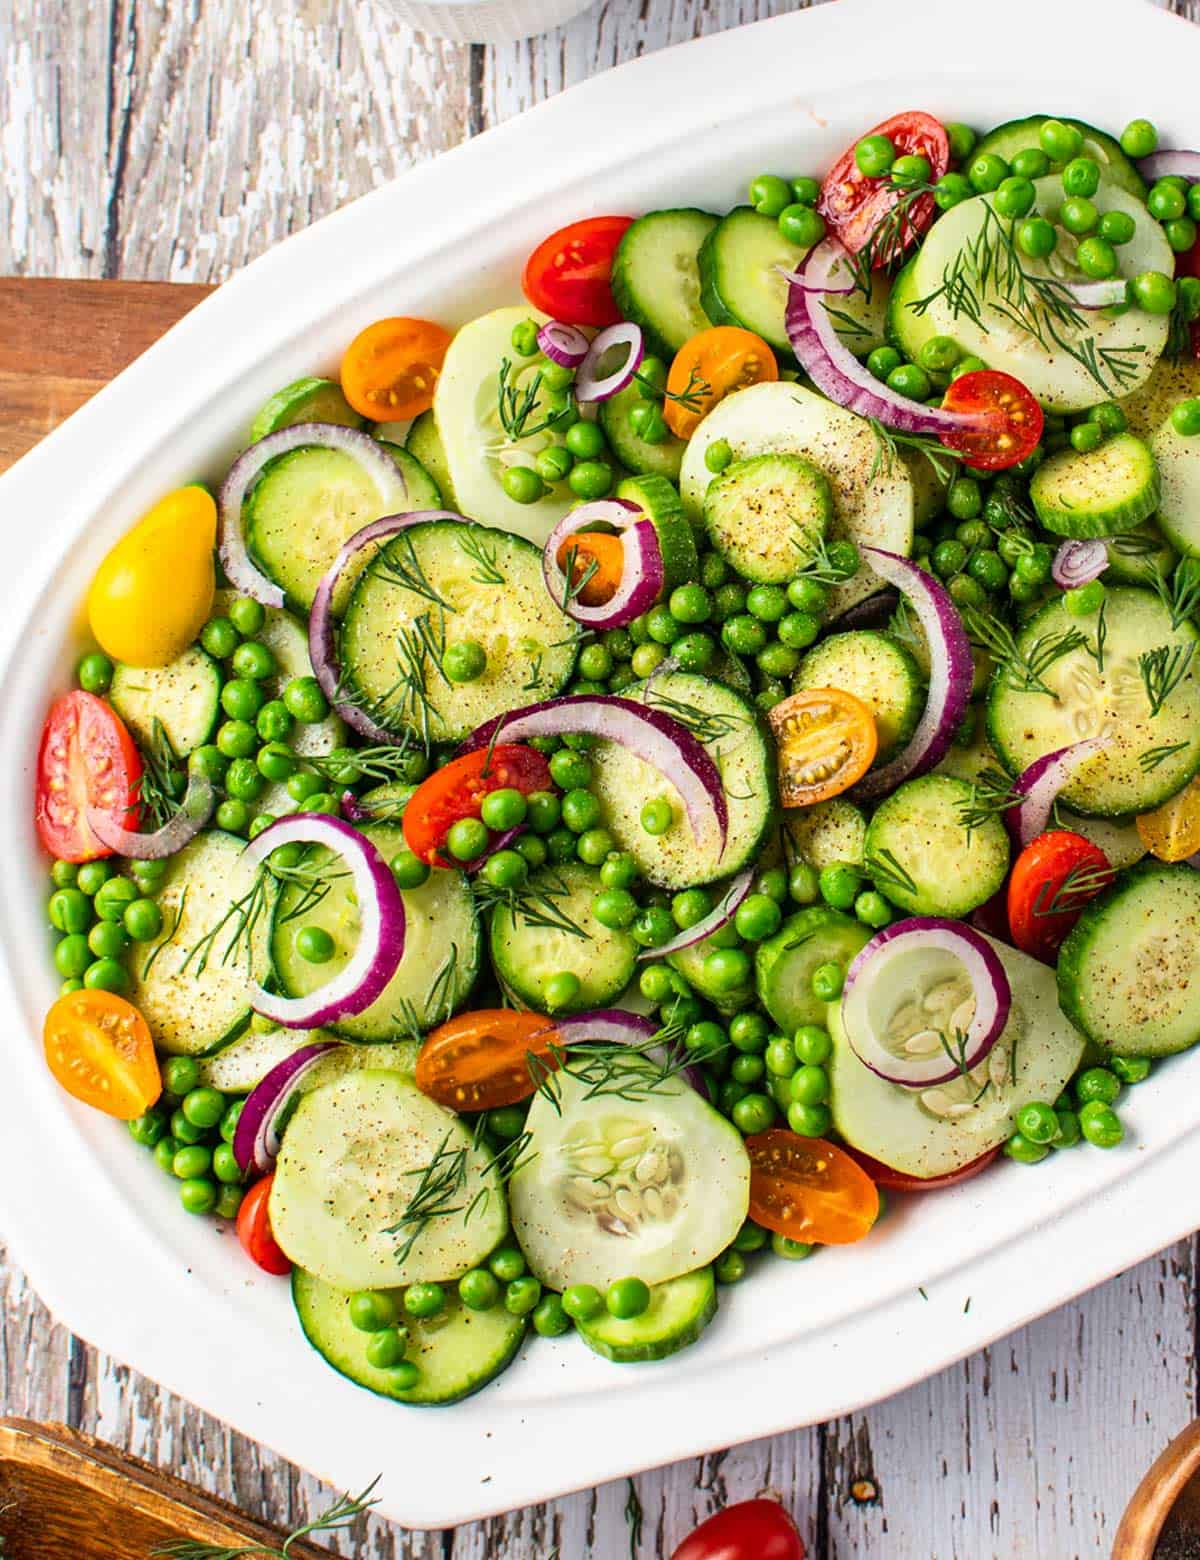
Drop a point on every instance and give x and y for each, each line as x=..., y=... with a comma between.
x=790, y=1250
x=114, y=897
x=769, y=194
x=507, y=1123
x=507, y=1263
x=559, y=846
x=1079, y=215
x=209, y=762
x=1069, y=1132
x=951, y=190
x=506, y=870
x=939, y=354
x=92, y=877
x=694, y=652
x=1153, y=291
x=1060, y=141
x=810, y=1085
x=164, y=1154
x=253, y=660
x=580, y=811
x=626, y=1298
x=839, y=885
x=726, y=969
x=314, y=945
x=910, y=380
x=620, y=870
x=70, y=910
x=718, y=455
x=1100, y=1124
x=757, y=917
x=728, y=601
x=1085, y=599
x=94, y=672
x=747, y=1069
x=646, y=658
x=690, y=906
x=236, y=739
x=225, y=1166
x=812, y=1044
x=767, y=603
x=522, y=1295
x=561, y=990
x=1181, y=234
x=424, y=1300
x=464, y=661
x=106, y=975
x=466, y=839
x=582, y=1302
x=807, y=191
x=304, y=700
x=648, y=423
x=595, y=662
x=245, y=781
x=744, y=635
x=1110, y=417
x=657, y=816
x=522, y=484
x=1187, y=294
x=1036, y=237
x=191, y=1162
x=1097, y=258
x=591, y=479
x=372, y=1310
x=801, y=224
x=247, y=616
x=962, y=140
x=203, y=1107
x=987, y=172
x=1015, y=197
x=233, y=816
x=553, y=463
x=1130, y=1069
x=615, y=908
x=585, y=440
x=478, y=1290
x=948, y=557
x=1097, y=1083
x=198, y=1195
x=180, y=1074
x=730, y=1267
x=874, y=155
x=387, y=1347
x=803, y=883
x=1032, y=163
x=811, y=1121
x=1165, y=202
x=241, y=699
x=872, y=909
x=219, y=638
x=689, y=603
x=549, y=1318
x=1037, y=1122
x=1139, y=138
x=525, y=338
x=532, y=850
x=969, y=365
x=827, y=981
x=911, y=170
x=1024, y=1151
x=504, y=809
x=148, y=1128
x=403, y=1377
x=64, y=874
x=779, y=1057
x=882, y=361
x=1116, y=227
x=798, y=630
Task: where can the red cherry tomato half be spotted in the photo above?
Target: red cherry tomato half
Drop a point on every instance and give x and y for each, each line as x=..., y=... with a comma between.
x=480, y=1060
x=896, y=1180
x=1010, y=419
x=86, y=759
x=751, y=1530
x=254, y=1229
x=1052, y=880
x=457, y=791
x=568, y=274
x=854, y=204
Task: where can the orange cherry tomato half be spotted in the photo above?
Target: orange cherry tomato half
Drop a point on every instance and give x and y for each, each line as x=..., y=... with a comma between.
x=606, y=552
x=1011, y=419
x=708, y=368
x=749, y=1530
x=897, y=1181
x=391, y=369
x=457, y=791
x=98, y=1046
x=254, y=1229
x=1172, y=832
x=86, y=759
x=826, y=741
x=854, y=204
x=568, y=275
x=808, y=1189
x=480, y=1061
x=1052, y=880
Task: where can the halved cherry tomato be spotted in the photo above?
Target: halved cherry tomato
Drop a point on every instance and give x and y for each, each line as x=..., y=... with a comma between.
x=391, y=369
x=1052, y=880
x=100, y=1049
x=254, y=1229
x=751, y=1530
x=1012, y=419
x=568, y=274
x=808, y=1189
x=457, y=791
x=606, y=553
x=1172, y=832
x=480, y=1061
x=708, y=368
x=826, y=740
x=896, y=1180
x=86, y=759
x=854, y=205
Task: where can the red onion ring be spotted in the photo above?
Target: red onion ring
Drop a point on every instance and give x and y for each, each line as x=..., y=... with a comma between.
x=256, y=1137
x=381, y=909
x=1040, y=783
x=1078, y=563
x=903, y=939
x=563, y=344
x=616, y=1026
x=589, y=386
x=642, y=574
x=716, y=918
x=1159, y=165
x=656, y=738
x=951, y=674
x=242, y=572
x=194, y=812
x=1097, y=295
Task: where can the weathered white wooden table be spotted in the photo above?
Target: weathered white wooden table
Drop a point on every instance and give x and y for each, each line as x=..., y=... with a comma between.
x=177, y=139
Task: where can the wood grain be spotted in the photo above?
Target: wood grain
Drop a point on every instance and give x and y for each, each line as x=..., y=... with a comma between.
x=143, y=139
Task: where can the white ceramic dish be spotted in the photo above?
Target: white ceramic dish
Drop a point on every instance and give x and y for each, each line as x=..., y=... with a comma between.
x=486, y=21
x=101, y=1236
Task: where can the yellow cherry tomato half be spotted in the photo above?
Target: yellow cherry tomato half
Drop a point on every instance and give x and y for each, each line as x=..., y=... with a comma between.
x=1172, y=832
x=152, y=594
x=826, y=740
x=98, y=1047
x=708, y=368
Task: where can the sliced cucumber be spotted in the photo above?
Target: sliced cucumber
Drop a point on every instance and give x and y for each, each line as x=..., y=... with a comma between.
x=423, y=490
x=353, y=1155
x=924, y=856
x=767, y=515
x=656, y=276
x=1140, y=556
x=549, y=929
x=466, y=406
x=1100, y=493
x=304, y=400
x=183, y=698
x=1178, y=461
x=660, y=502
x=784, y=964
x=690, y=964
x=873, y=505
x=969, y=762
x=424, y=442
x=193, y=986
x=456, y=1352
x=247, y=1061
x=907, y=329
x=422, y=593
x=876, y=670
x=678, y=1313
x=1173, y=380
x=1118, y=838
x=1087, y=702
x=651, y=1185
x=1024, y=135
x=1129, y=970
x=442, y=943
x=827, y=833
x=654, y=460
x=731, y=730
x=931, y=1132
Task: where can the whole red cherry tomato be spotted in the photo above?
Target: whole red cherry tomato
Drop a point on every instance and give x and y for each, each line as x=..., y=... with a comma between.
x=751, y=1530
x=254, y=1230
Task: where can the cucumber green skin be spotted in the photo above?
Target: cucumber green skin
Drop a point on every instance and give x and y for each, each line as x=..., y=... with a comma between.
x=628, y=288
x=652, y=460
x=1140, y=568
x=906, y=331
x=304, y=400
x=643, y=1338
x=664, y=510
x=424, y=443
x=711, y=260
x=806, y=939
x=1022, y=135
x=1115, y=509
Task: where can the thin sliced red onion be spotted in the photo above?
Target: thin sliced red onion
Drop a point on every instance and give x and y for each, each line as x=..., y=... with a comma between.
x=875, y=612
x=194, y=812
x=241, y=570
x=716, y=918
x=1097, y=295
x=654, y=737
x=1078, y=563
x=798, y=279
x=1159, y=165
x=381, y=913
x=951, y=673
x=322, y=634
x=883, y=958
x=353, y=810
x=563, y=344
x=642, y=573
x=256, y=1137
x=1040, y=783
x=616, y=1026
x=497, y=842
x=590, y=385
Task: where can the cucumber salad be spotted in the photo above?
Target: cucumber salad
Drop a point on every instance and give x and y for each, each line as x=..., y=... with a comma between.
x=589, y=800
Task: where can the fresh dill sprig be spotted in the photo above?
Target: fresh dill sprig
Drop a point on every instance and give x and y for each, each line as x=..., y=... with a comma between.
x=537, y=906
x=534, y=680
x=504, y=1164
x=440, y=1183
x=381, y=765
x=1023, y=669
x=628, y=1072
x=407, y=702
x=342, y=1514
x=1180, y=591
x=886, y=871
x=168, y=937
x=845, y=324
x=956, y=1049
x=991, y=795
x=820, y=567
x=1153, y=757
x=889, y=239
x=692, y=397
x=1162, y=670
x=1080, y=884
x=1179, y=330
x=484, y=553
x=162, y=782
x=515, y=404
x=1097, y=652
x=707, y=726
x=245, y=915
x=576, y=583
x=397, y=564
x=889, y=443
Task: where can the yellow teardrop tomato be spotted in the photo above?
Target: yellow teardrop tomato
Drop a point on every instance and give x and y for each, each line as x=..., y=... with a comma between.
x=153, y=593
x=1172, y=832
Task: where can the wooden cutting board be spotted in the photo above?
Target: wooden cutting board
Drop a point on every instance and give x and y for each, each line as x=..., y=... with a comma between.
x=63, y=340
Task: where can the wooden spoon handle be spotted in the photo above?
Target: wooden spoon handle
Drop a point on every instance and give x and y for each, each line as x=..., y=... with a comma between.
x=1158, y=1492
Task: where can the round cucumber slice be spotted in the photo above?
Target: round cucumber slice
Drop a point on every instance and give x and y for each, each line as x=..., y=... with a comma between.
x=678, y=1313
x=249, y=1059
x=784, y=964
x=634, y=453
x=767, y=515
x=650, y=1183
x=660, y=502
x=182, y=698
x=305, y=400
x=1178, y=462
x=875, y=669
x=827, y=833
x=1103, y=492
x=921, y=853
x=1140, y=556
x=1022, y=135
